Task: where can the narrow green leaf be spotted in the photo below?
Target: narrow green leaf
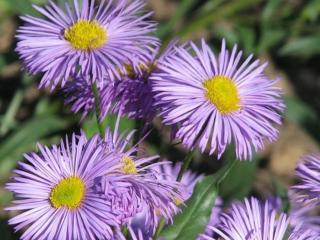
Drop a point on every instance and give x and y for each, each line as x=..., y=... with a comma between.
x=25, y=138
x=305, y=46
x=8, y=120
x=194, y=217
x=230, y=8
x=298, y=111
x=22, y=7
x=183, y=8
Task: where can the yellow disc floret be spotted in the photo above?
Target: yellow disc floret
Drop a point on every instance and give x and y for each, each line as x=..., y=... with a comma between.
x=222, y=92
x=128, y=166
x=69, y=193
x=86, y=35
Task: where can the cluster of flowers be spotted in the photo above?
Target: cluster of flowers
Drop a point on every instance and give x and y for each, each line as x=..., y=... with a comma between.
x=104, y=58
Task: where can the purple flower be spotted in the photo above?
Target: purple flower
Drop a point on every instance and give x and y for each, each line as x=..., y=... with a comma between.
x=135, y=187
x=252, y=220
x=96, y=40
x=55, y=191
x=131, y=96
x=214, y=101
x=308, y=172
x=79, y=95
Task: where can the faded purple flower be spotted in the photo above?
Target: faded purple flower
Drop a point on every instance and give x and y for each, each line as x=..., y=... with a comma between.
x=215, y=101
x=97, y=40
x=55, y=191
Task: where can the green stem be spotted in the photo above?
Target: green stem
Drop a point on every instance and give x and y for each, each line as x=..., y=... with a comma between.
x=138, y=126
x=185, y=165
x=97, y=108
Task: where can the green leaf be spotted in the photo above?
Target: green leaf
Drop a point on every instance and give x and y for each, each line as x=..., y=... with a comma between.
x=183, y=8
x=194, y=217
x=228, y=9
x=304, y=115
x=305, y=46
x=8, y=120
x=25, y=138
x=299, y=112
x=22, y=7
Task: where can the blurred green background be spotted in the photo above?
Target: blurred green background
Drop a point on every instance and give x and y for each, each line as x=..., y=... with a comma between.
x=286, y=33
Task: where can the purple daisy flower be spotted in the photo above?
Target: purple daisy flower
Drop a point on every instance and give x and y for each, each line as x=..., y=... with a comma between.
x=79, y=95
x=55, y=191
x=215, y=101
x=252, y=220
x=308, y=190
x=132, y=95
x=136, y=187
x=96, y=40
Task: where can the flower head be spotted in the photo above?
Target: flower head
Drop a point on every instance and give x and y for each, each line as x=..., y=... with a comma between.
x=55, y=191
x=308, y=172
x=131, y=96
x=215, y=101
x=96, y=40
x=135, y=187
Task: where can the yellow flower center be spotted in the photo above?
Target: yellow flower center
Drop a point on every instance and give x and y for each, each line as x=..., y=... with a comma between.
x=128, y=166
x=222, y=92
x=86, y=35
x=68, y=193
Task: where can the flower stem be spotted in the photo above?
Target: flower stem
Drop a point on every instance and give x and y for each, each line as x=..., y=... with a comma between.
x=139, y=124
x=97, y=108
x=185, y=165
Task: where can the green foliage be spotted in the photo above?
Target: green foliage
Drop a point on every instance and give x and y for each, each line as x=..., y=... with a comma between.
x=24, y=140
x=239, y=181
x=194, y=217
x=277, y=28
x=303, y=46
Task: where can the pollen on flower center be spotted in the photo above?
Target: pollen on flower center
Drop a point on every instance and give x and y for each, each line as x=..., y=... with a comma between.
x=128, y=166
x=69, y=193
x=86, y=35
x=222, y=92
